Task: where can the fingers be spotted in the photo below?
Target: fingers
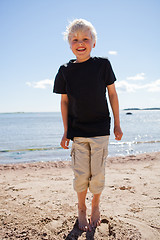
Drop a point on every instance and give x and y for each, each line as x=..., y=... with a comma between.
x=65, y=143
x=118, y=138
x=118, y=133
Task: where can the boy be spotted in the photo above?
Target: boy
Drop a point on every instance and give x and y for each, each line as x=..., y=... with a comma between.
x=82, y=84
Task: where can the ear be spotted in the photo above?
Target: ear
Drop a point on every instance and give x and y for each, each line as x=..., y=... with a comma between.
x=94, y=44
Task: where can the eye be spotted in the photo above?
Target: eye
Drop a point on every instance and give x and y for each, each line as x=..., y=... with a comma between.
x=75, y=40
x=85, y=39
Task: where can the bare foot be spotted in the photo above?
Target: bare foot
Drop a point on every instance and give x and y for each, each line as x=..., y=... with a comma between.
x=82, y=220
x=95, y=217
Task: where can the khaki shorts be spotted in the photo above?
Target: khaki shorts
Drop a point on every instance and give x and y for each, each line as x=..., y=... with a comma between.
x=88, y=163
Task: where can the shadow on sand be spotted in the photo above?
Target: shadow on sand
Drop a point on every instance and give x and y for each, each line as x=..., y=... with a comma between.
x=75, y=233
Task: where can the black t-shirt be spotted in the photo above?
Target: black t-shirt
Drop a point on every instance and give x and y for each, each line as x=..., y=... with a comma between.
x=85, y=85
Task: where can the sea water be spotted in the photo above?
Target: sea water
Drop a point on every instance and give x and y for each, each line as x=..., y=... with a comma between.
x=33, y=137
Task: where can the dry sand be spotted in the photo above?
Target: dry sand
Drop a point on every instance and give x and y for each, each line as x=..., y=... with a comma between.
x=37, y=201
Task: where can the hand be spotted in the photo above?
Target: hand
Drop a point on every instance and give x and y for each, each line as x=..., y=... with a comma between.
x=65, y=141
x=118, y=133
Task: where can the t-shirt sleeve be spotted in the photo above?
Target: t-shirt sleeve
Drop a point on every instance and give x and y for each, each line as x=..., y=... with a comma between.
x=59, y=83
x=109, y=74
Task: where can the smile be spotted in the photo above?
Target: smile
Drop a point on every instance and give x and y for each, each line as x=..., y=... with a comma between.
x=81, y=49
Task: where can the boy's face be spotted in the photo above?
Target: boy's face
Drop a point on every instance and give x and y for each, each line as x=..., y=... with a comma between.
x=81, y=44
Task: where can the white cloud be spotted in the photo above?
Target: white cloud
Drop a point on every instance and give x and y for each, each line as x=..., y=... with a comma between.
x=124, y=86
x=41, y=84
x=154, y=86
x=113, y=52
x=139, y=76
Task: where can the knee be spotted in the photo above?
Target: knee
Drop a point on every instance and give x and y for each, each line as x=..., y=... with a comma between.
x=81, y=182
x=97, y=183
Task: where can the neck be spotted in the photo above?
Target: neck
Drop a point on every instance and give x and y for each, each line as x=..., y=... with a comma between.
x=80, y=61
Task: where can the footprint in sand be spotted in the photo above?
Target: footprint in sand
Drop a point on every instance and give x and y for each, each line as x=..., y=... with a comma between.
x=146, y=231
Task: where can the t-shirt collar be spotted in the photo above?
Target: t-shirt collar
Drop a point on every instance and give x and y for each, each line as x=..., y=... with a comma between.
x=74, y=61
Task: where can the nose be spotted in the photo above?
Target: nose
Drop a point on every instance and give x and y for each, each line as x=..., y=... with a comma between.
x=80, y=42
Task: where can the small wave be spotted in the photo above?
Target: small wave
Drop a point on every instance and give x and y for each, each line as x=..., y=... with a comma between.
x=134, y=142
x=30, y=149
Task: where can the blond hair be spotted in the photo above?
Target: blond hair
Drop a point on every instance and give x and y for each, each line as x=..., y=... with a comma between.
x=80, y=25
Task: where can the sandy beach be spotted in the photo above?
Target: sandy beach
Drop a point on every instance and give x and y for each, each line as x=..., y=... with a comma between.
x=37, y=201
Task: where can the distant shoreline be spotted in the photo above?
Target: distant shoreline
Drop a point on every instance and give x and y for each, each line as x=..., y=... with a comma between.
x=125, y=109
x=139, y=109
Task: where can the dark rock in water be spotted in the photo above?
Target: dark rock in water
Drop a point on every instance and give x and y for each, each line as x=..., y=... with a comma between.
x=128, y=113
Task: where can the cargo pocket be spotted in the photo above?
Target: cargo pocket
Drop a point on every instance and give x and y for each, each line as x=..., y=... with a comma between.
x=105, y=151
x=73, y=155
x=104, y=157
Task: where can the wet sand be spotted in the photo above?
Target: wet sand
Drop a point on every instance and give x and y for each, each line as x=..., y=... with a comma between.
x=37, y=201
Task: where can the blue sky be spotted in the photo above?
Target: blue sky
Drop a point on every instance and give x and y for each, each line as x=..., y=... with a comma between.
x=32, y=49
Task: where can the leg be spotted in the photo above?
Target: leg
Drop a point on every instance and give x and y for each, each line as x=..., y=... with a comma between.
x=80, y=164
x=82, y=220
x=99, y=151
x=95, y=214
x=81, y=168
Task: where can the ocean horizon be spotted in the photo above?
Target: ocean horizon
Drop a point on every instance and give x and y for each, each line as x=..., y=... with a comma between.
x=123, y=109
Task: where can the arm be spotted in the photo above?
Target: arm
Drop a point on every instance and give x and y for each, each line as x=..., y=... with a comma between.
x=113, y=98
x=64, y=112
